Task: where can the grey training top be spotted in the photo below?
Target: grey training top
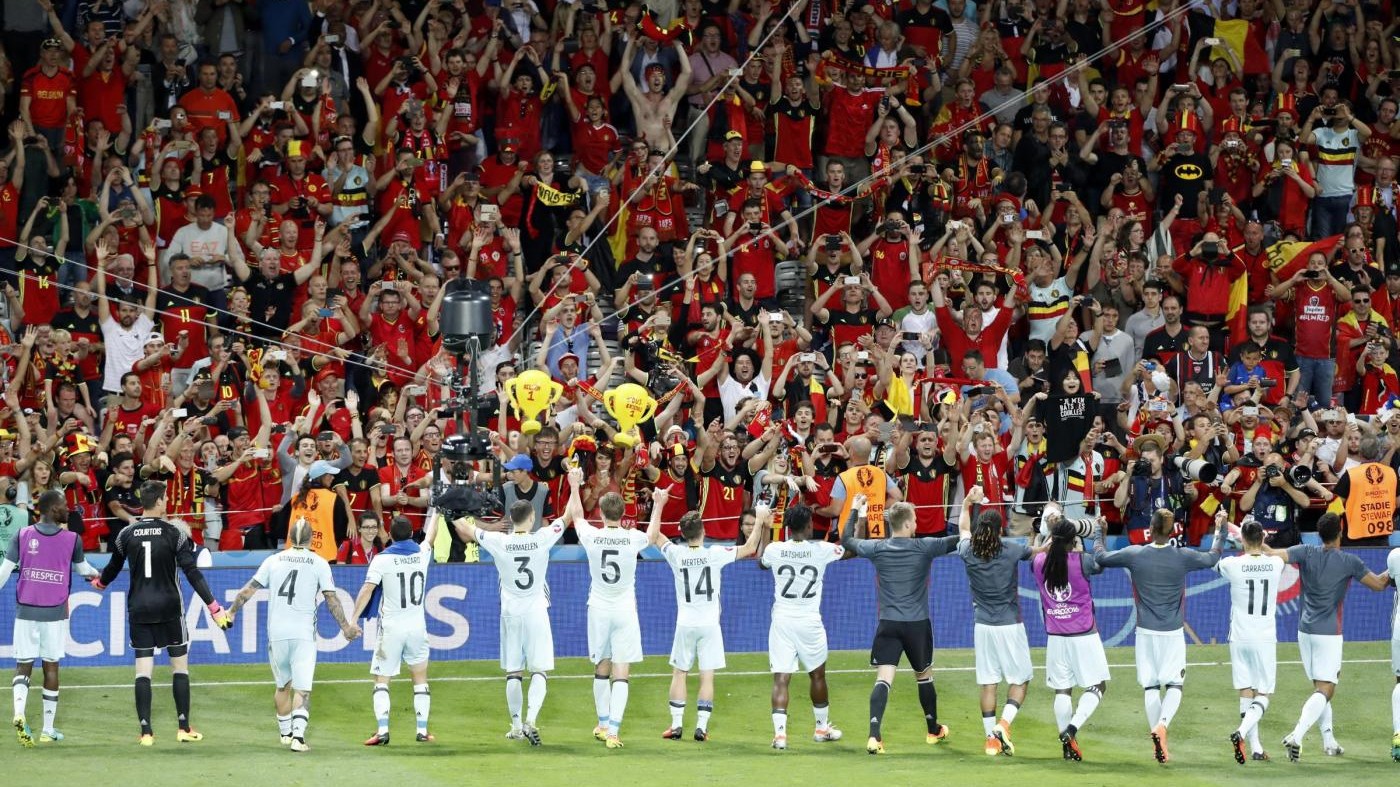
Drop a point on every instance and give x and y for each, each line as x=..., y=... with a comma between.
x=1159, y=579
x=1325, y=574
x=995, y=583
x=46, y=614
x=901, y=571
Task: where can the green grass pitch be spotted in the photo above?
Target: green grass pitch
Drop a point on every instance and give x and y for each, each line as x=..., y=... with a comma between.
x=233, y=708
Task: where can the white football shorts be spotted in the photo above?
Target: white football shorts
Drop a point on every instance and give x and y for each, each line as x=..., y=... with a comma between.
x=293, y=661
x=1161, y=657
x=704, y=644
x=796, y=642
x=397, y=647
x=1254, y=665
x=527, y=641
x=1321, y=655
x=1002, y=654
x=44, y=640
x=1075, y=661
x=614, y=634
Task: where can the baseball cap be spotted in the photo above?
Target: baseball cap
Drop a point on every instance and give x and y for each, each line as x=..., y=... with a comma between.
x=519, y=462
x=1393, y=269
x=567, y=357
x=51, y=43
x=320, y=468
x=1330, y=415
x=1306, y=433
x=510, y=145
x=401, y=236
x=731, y=135
x=154, y=338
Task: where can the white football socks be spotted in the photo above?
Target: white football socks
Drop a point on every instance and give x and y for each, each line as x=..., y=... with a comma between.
x=538, y=688
x=1088, y=703
x=422, y=705
x=515, y=699
x=602, y=695
x=1312, y=711
x=1064, y=711
x=1171, y=702
x=617, y=705
x=381, y=706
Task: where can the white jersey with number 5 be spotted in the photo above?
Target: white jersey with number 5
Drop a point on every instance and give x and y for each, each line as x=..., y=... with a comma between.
x=1254, y=585
x=799, y=568
x=612, y=561
x=403, y=584
x=522, y=559
x=697, y=571
x=295, y=578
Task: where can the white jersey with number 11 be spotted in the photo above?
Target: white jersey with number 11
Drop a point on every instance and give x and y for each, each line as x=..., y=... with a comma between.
x=1254, y=585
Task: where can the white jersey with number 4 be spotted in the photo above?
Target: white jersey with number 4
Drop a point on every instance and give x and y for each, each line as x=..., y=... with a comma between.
x=522, y=560
x=612, y=562
x=697, y=571
x=295, y=578
x=1254, y=585
x=799, y=568
x=403, y=584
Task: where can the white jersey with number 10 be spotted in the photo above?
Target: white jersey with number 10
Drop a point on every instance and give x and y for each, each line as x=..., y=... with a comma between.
x=612, y=561
x=295, y=578
x=1254, y=585
x=403, y=584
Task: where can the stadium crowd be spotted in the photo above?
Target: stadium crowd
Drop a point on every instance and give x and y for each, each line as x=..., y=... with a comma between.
x=1117, y=255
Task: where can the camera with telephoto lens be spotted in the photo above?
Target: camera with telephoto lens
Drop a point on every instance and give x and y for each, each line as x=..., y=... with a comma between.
x=1299, y=475
x=1142, y=467
x=1273, y=471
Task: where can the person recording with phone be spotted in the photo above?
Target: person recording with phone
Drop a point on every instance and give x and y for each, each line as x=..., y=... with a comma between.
x=1320, y=295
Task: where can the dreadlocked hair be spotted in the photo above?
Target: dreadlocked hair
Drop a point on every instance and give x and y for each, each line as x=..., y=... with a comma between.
x=986, y=536
x=306, y=486
x=1057, y=558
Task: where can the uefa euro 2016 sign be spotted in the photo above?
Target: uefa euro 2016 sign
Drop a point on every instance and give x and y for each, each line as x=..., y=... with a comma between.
x=463, y=602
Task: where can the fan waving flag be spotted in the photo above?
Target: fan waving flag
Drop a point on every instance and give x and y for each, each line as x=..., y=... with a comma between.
x=1288, y=257
x=1248, y=48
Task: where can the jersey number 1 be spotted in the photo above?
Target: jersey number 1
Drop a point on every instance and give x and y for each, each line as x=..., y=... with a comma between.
x=411, y=589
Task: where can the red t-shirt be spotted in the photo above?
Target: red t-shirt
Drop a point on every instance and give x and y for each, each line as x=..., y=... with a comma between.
x=48, y=96
x=1315, y=307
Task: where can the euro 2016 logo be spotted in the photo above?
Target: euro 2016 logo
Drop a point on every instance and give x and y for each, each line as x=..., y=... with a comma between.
x=866, y=477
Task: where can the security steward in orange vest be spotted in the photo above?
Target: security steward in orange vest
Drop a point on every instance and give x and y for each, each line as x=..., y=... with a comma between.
x=861, y=477
x=326, y=512
x=1368, y=491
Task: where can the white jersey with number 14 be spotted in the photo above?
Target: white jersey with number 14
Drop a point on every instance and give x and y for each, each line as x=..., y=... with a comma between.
x=1254, y=585
x=697, y=571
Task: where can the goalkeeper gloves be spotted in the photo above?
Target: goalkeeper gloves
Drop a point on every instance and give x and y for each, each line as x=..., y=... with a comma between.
x=221, y=618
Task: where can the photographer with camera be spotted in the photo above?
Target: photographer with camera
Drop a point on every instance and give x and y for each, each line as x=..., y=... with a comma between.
x=1151, y=484
x=1276, y=497
x=1209, y=271
x=1317, y=305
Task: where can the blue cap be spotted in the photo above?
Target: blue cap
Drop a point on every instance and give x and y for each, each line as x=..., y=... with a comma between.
x=319, y=468
x=519, y=462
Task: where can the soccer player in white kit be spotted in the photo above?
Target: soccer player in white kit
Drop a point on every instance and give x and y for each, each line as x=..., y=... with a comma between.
x=1254, y=584
x=297, y=577
x=698, y=640
x=527, y=642
x=796, y=634
x=1392, y=565
x=400, y=575
x=614, y=633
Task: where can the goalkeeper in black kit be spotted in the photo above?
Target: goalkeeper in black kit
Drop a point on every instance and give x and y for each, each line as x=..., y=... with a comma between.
x=155, y=549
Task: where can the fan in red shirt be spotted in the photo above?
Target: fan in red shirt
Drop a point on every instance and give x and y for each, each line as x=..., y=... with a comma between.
x=594, y=138
x=401, y=195
x=986, y=467
x=395, y=478
x=518, y=110
x=48, y=93
x=971, y=334
x=392, y=328
x=301, y=196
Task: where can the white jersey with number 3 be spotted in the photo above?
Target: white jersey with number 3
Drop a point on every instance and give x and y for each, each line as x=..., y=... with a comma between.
x=612, y=561
x=799, y=568
x=1254, y=585
x=295, y=578
x=522, y=560
x=403, y=584
x=697, y=571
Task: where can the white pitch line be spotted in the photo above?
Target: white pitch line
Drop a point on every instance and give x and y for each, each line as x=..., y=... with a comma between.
x=635, y=676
